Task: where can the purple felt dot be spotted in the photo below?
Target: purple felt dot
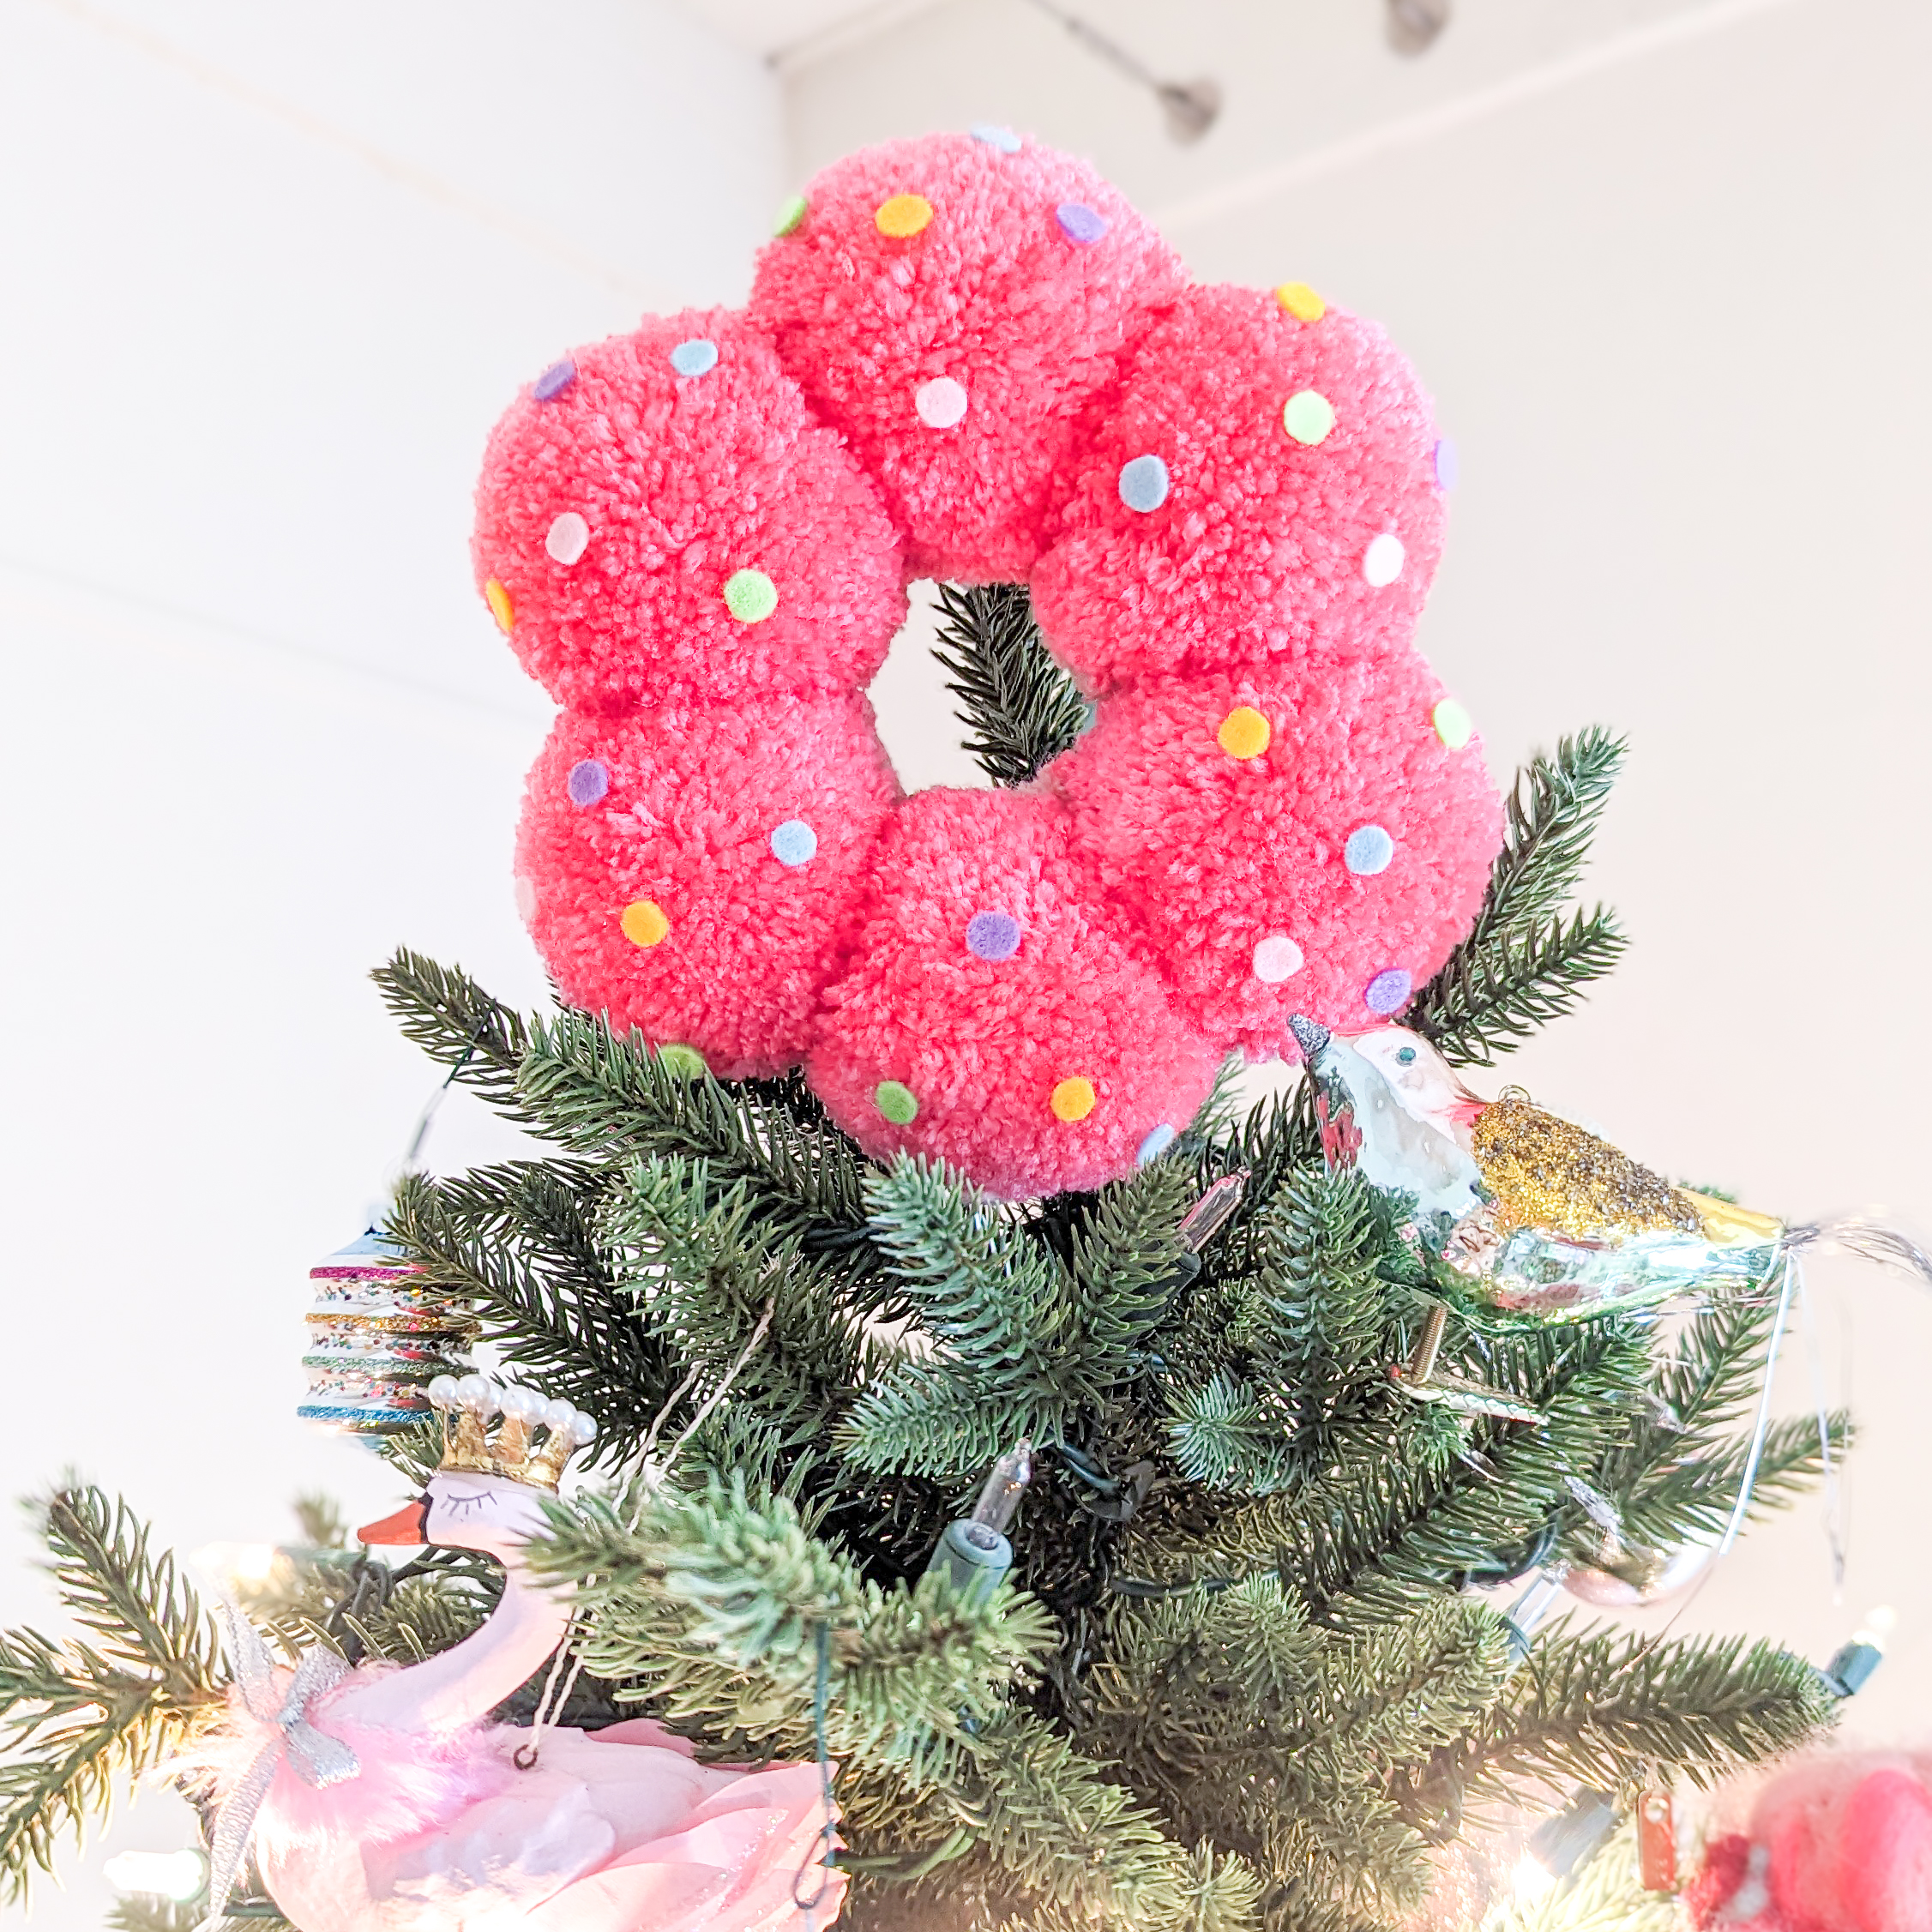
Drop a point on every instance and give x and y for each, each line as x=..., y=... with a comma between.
x=1388, y=991
x=554, y=381
x=1079, y=223
x=993, y=936
x=589, y=779
x=1448, y=465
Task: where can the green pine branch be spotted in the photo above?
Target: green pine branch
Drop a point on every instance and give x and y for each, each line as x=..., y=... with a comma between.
x=443, y=1011
x=1523, y=963
x=79, y=1719
x=1019, y=708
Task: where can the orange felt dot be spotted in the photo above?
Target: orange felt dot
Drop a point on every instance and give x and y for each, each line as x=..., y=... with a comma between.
x=903, y=216
x=501, y=608
x=1244, y=733
x=644, y=923
x=1073, y=1099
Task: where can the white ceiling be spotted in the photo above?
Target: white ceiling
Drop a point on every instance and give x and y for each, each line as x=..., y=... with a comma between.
x=778, y=26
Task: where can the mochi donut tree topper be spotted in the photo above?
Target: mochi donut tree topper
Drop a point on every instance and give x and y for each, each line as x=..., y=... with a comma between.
x=967, y=357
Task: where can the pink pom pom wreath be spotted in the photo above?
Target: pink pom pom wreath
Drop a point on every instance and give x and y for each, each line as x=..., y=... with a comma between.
x=953, y=305
x=994, y=1014
x=969, y=358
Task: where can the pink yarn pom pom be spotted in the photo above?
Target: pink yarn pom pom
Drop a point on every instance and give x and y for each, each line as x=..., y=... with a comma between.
x=1287, y=471
x=694, y=874
x=647, y=533
x=1021, y=282
x=995, y=1018
x=1306, y=844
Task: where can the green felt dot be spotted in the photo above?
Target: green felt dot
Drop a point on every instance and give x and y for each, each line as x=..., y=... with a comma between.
x=895, y=1100
x=682, y=1062
x=1308, y=416
x=791, y=215
x=750, y=596
x=1453, y=725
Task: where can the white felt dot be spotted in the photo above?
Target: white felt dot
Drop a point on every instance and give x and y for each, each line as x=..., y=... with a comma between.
x=567, y=538
x=940, y=403
x=525, y=900
x=1277, y=958
x=1381, y=562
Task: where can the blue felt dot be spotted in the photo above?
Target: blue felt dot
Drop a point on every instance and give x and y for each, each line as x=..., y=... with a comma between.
x=1155, y=1145
x=589, y=779
x=1143, y=483
x=1448, y=465
x=794, y=842
x=554, y=381
x=1080, y=223
x=1004, y=139
x=694, y=358
x=1388, y=991
x=993, y=936
x=1369, y=850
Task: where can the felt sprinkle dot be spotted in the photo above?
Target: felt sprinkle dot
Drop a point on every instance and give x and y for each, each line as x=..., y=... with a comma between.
x=993, y=936
x=1143, y=484
x=1448, y=465
x=1073, y=1099
x=1381, y=562
x=1454, y=725
x=794, y=843
x=1369, y=850
x=682, y=1062
x=750, y=596
x=903, y=216
x=1004, y=139
x=554, y=381
x=1387, y=992
x=567, y=538
x=525, y=900
x=939, y=403
x=501, y=608
x=1308, y=416
x=589, y=779
x=1156, y=1144
x=1300, y=302
x=791, y=215
x=896, y=1101
x=1244, y=733
x=644, y=923
x=1277, y=958
x=1079, y=224
x=697, y=356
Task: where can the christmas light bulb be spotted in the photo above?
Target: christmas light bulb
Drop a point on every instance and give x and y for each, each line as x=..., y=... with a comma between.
x=179, y=1875
x=1531, y=1878
x=999, y=1501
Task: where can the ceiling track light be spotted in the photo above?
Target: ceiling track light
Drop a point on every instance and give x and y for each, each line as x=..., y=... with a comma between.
x=1188, y=107
x=1413, y=25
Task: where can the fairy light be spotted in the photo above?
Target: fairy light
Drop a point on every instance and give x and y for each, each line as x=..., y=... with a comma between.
x=180, y=1875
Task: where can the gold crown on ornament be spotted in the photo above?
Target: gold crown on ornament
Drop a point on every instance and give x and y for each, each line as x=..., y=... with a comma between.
x=468, y=1407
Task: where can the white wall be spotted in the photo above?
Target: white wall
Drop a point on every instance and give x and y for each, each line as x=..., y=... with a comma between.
x=267, y=277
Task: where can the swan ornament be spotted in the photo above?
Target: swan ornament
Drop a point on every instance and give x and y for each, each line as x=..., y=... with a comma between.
x=385, y=1799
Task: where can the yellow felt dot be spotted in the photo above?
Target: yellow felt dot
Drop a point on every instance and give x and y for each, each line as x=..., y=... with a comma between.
x=1244, y=733
x=1073, y=1099
x=903, y=215
x=1300, y=302
x=644, y=922
x=501, y=609
x=1454, y=725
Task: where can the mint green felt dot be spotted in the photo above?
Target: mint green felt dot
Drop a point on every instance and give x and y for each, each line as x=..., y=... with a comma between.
x=681, y=1062
x=895, y=1100
x=1308, y=416
x=791, y=215
x=750, y=596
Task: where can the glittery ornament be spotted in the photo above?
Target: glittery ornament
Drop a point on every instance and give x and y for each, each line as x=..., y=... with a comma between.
x=1641, y=1576
x=377, y=1338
